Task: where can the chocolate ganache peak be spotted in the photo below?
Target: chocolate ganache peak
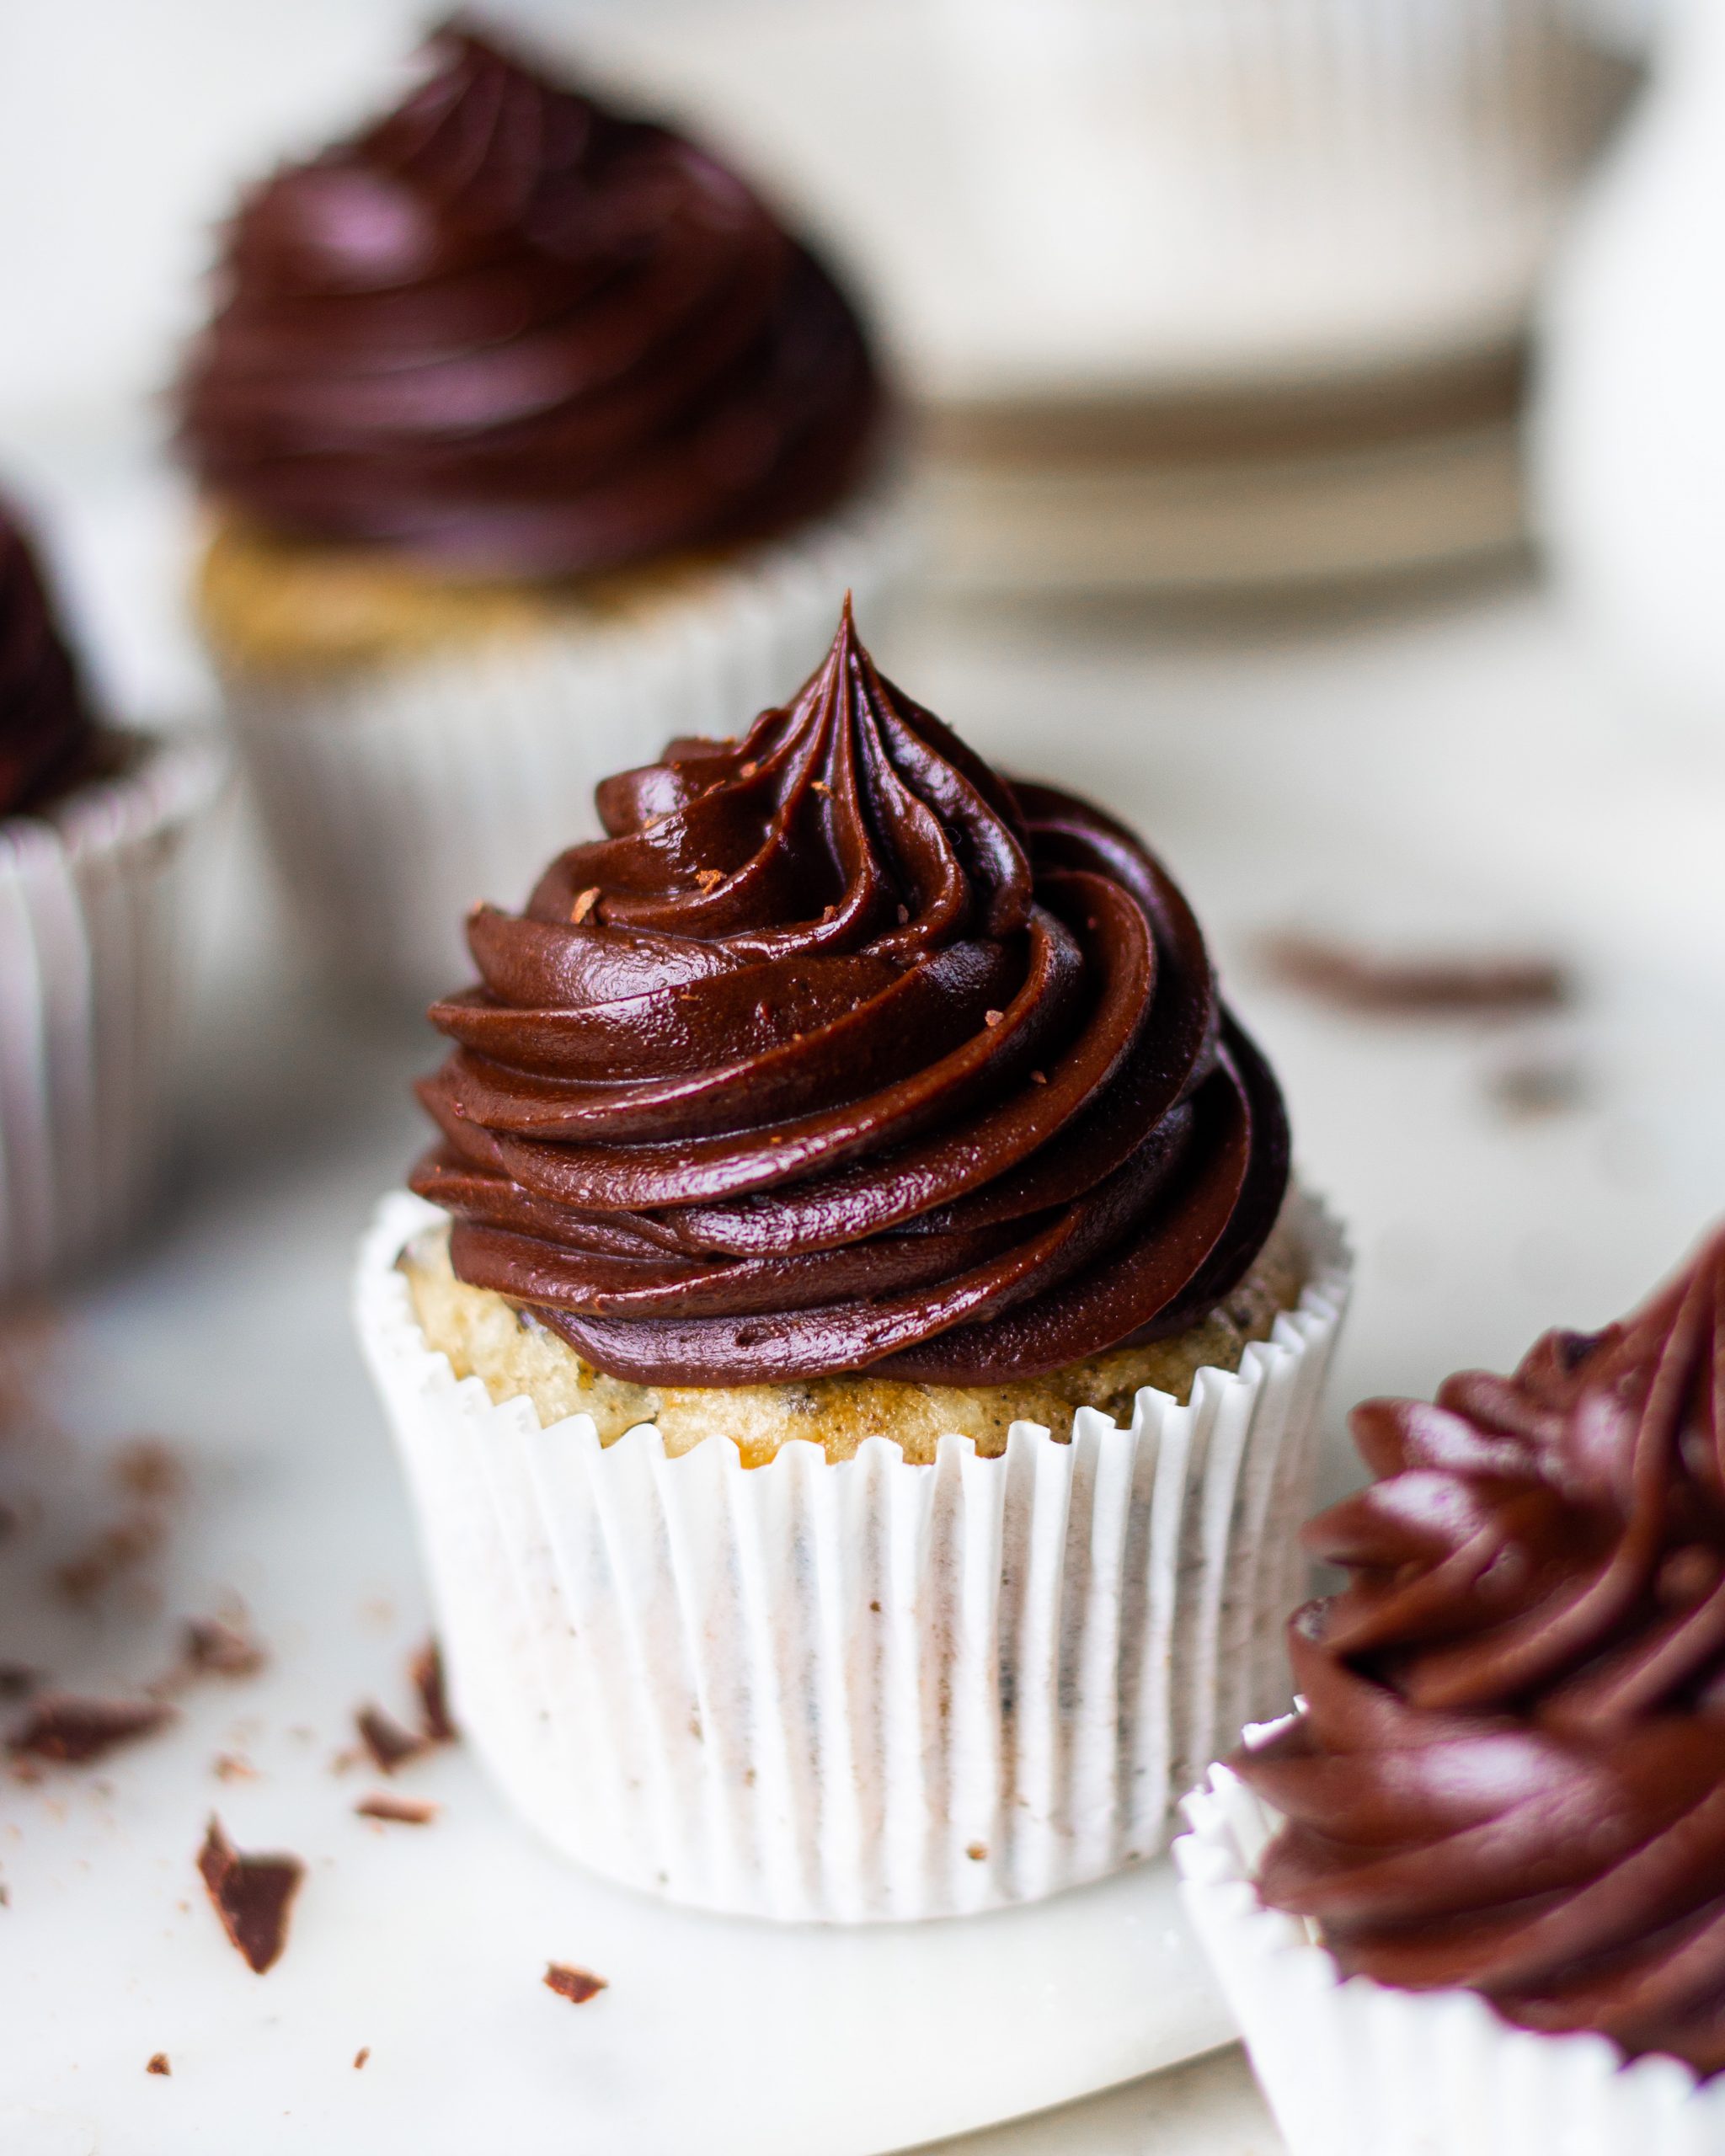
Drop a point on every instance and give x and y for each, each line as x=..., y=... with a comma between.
x=838, y=1052
x=1508, y=1772
x=509, y=331
x=46, y=731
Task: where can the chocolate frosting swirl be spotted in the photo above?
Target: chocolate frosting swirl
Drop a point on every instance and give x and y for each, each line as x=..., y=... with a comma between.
x=1509, y=1772
x=46, y=731
x=839, y=1053
x=509, y=330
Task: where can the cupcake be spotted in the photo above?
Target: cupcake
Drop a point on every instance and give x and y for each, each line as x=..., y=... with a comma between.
x=852, y=1347
x=93, y=826
x=1471, y=1894
x=528, y=437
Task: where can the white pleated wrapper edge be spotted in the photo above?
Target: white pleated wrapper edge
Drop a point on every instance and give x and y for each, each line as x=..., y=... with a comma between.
x=92, y=982
x=868, y=1689
x=1353, y=2067
x=395, y=798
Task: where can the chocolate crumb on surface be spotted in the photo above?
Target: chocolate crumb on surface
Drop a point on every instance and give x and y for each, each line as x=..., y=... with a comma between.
x=389, y=1744
x=401, y=1811
x=73, y=1730
x=1433, y=984
x=426, y=1671
x=148, y=1467
x=578, y=1985
x=210, y=1647
x=361, y=2055
x=16, y=1680
x=253, y=1895
x=119, y=1550
x=158, y=2064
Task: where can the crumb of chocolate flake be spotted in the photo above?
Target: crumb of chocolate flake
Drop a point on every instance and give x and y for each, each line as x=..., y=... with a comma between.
x=231, y=1767
x=117, y=1550
x=71, y=1730
x=578, y=1985
x=1526, y=1087
x=1435, y=984
x=158, y=2064
x=5, y=1895
x=427, y=1671
x=148, y=1468
x=976, y=1851
x=18, y=1680
x=253, y=1895
x=210, y=1646
x=389, y=1744
x=401, y=1811
x=361, y=2055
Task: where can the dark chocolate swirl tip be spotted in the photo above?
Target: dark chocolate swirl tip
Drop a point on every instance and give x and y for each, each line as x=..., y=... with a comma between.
x=1509, y=1772
x=509, y=331
x=839, y=1052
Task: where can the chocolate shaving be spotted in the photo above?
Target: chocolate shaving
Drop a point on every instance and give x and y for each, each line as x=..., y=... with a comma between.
x=389, y=1744
x=1435, y=983
x=109, y=1555
x=253, y=1895
x=578, y=1985
x=148, y=1468
x=401, y=1811
x=211, y=1648
x=73, y=1732
x=158, y=2064
x=426, y=1671
x=361, y=2055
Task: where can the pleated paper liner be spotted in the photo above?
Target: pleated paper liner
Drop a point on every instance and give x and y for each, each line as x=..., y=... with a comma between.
x=396, y=796
x=1352, y=2068
x=92, y=982
x=870, y=1689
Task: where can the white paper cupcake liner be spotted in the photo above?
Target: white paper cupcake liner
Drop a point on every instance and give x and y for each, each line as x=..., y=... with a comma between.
x=1243, y=189
x=396, y=798
x=1355, y=2068
x=91, y=979
x=871, y=1689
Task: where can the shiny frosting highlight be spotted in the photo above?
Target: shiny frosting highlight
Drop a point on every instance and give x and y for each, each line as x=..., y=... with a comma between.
x=841, y=1052
x=1509, y=1773
x=46, y=732
x=509, y=330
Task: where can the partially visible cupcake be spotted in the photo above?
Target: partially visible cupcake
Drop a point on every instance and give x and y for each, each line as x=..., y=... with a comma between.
x=530, y=437
x=1484, y=1865
x=93, y=826
x=858, y=1366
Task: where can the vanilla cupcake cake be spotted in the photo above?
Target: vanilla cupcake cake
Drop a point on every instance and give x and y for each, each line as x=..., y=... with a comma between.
x=528, y=435
x=854, y=1350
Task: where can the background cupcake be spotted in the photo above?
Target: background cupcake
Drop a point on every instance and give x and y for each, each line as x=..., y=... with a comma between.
x=1501, y=1795
x=93, y=830
x=531, y=437
x=858, y=1416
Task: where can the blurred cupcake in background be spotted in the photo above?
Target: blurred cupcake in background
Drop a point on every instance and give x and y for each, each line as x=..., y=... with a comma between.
x=95, y=826
x=1471, y=1894
x=530, y=438
x=857, y=1370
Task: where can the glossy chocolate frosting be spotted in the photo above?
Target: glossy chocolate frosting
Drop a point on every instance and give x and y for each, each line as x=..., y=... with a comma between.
x=839, y=1053
x=1509, y=1773
x=46, y=733
x=508, y=330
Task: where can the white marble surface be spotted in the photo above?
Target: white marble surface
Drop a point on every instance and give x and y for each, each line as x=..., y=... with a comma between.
x=1447, y=769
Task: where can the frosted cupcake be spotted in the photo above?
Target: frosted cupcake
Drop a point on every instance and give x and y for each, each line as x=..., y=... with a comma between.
x=853, y=1350
x=93, y=830
x=530, y=437
x=1483, y=1865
